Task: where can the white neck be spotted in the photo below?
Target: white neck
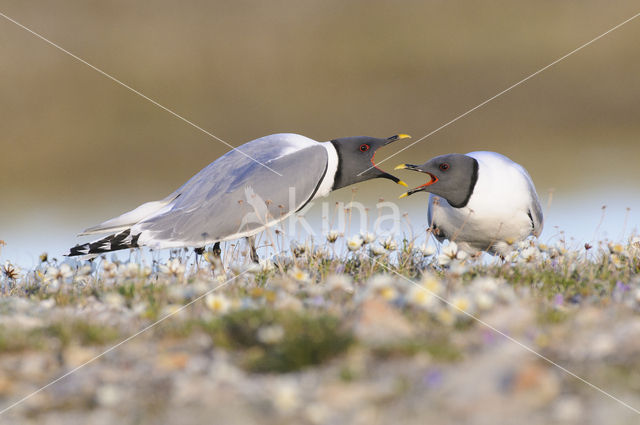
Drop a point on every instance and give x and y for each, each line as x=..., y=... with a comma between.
x=332, y=168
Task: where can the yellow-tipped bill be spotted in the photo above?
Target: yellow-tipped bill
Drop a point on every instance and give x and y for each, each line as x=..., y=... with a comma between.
x=401, y=167
x=398, y=137
x=404, y=195
x=402, y=183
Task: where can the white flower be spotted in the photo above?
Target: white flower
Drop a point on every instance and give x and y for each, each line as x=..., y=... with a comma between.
x=10, y=271
x=176, y=293
x=512, y=256
x=222, y=278
x=560, y=248
x=616, y=248
x=115, y=300
x=58, y=275
x=368, y=237
x=461, y=304
x=288, y=302
x=432, y=284
x=341, y=282
x=389, y=293
x=382, y=285
x=450, y=253
x=446, y=317
x=266, y=265
x=333, y=236
x=421, y=297
x=286, y=397
x=172, y=309
x=109, y=269
x=320, y=252
x=450, y=250
x=390, y=244
x=522, y=245
x=484, y=300
x=484, y=284
x=617, y=260
x=377, y=250
x=380, y=281
x=85, y=270
x=173, y=268
x=427, y=250
x=217, y=303
x=299, y=275
x=458, y=268
x=529, y=255
x=270, y=334
x=354, y=243
x=253, y=268
x=129, y=270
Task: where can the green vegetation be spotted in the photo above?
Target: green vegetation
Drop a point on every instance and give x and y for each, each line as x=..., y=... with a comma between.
x=316, y=303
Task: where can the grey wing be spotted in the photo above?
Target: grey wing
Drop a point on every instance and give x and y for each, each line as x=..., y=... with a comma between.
x=235, y=196
x=535, y=210
x=535, y=213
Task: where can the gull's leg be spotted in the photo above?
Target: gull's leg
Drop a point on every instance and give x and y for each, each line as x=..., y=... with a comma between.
x=198, y=251
x=216, y=249
x=251, y=240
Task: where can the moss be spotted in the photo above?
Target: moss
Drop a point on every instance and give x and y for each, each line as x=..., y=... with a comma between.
x=440, y=349
x=552, y=316
x=56, y=334
x=127, y=291
x=308, y=339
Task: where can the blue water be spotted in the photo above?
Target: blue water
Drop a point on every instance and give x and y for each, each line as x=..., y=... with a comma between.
x=578, y=217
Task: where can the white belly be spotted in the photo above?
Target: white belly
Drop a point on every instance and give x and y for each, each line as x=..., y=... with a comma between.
x=474, y=230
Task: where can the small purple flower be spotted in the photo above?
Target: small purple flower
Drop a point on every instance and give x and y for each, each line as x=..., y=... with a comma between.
x=558, y=300
x=622, y=287
x=317, y=301
x=619, y=291
x=488, y=337
x=433, y=378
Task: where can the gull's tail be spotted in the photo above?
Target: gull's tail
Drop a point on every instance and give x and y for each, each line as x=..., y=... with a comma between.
x=115, y=242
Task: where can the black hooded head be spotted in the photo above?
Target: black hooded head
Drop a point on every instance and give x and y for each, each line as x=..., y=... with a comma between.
x=452, y=177
x=356, y=160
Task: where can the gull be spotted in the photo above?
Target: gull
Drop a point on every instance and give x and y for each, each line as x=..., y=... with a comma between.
x=243, y=192
x=482, y=200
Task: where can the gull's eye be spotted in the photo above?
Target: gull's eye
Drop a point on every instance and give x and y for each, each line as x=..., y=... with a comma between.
x=444, y=166
x=364, y=147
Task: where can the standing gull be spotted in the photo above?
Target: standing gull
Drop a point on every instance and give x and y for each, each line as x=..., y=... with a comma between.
x=242, y=193
x=482, y=200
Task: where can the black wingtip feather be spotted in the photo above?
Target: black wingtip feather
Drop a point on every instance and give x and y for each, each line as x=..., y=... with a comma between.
x=115, y=242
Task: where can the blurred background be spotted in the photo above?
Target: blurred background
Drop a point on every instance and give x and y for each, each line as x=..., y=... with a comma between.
x=76, y=148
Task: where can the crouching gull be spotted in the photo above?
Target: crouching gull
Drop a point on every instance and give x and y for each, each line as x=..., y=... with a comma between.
x=243, y=192
x=482, y=200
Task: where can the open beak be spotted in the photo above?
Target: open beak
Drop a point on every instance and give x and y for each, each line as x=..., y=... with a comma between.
x=432, y=178
x=384, y=174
